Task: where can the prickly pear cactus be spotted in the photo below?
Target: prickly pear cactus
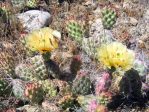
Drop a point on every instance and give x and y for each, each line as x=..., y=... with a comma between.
x=39, y=67
x=81, y=85
x=4, y=88
x=34, y=92
x=31, y=3
x=49, y=88
x=109, y=18
x=6, y=64
x=66, y=102
x=103, y=83
x=84, y=101
x=131, y=84
x=75, y=30
x=104, y=98
x=18, y=88
x=34, y=69
x=18, y=3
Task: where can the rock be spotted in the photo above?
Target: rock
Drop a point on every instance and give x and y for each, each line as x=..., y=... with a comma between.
x=98, y=35
x=140, y=66
x=146, y=15
x=133, y=21
x=34, y=19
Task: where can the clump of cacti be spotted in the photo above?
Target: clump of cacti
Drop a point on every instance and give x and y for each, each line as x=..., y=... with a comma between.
x=25, y=73
x=81, y=85
x=84, y=101
x=92, y=106
x=4, y=88
x=75, y=30
x=109, y=18
x=103, y=84
x=18, y=88
x=18, y=3
x=7, y=64
x=34, y=92
x=39, y=67
x=33, y=70
x=131, y=84
x=49, y=88
x=104, y=98
x=66, y=102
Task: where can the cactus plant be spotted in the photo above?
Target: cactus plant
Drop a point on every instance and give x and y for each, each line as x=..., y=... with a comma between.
x=103, y=84
x=49, y=88
x=131, y=84
x=31, y=3
x=34, y=92
x=18, y=3
x=92, y=106
x=75, y=30
x=66, y=102
x=6, y=64
x=84, y=101
x=109, y=18
x=88, y=101
x=4, y=88
x=36, y=68
x=33, y=70
x=104, y=98
x=18, y=88
x=81, y=85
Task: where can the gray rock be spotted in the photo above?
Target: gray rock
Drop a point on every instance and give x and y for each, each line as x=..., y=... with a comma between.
x=133, y=21
x=34, y=19
x=146, y=15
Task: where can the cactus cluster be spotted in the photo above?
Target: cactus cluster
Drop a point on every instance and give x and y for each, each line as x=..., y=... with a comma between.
x=18, y=3
x=109, y=18
x=34, y=92
x=49, y=88
x=66, y=101
x=103, y=84
x=104, y=98
x=81, y=85
x=18, y=88
x=33, y=70
x=75, y=30
x=6, y=66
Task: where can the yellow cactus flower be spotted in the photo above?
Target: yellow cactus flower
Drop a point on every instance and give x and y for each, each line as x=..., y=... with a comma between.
x=116, y=55
x=42, y=40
